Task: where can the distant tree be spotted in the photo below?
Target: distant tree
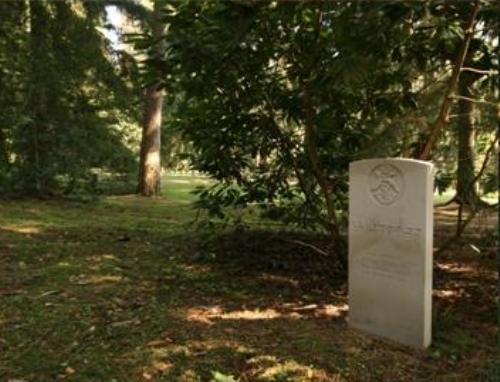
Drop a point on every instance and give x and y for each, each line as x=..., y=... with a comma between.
x=13, y=63
x=69, y=112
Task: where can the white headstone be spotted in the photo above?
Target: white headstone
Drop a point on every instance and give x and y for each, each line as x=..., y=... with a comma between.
x=390, y=249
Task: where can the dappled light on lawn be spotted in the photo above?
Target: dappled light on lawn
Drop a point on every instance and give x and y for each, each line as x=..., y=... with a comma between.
x=96, y=279
x=456, y=268
x=209, y=315
x=26, y=230
x=448, y=293
x=149, y=299
x=257, y=366
x=469, y=269
x=294, y=370
x=190, y=191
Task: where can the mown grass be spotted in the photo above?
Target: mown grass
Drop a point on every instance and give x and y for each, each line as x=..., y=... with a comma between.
x=124, y=289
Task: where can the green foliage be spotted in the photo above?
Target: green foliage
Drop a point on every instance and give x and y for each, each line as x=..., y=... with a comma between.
x=249, y=74
x=247, y=80
x=66, y=112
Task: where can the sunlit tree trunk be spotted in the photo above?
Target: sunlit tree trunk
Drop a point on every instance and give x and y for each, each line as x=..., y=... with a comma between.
x=150, y=164
x=150, y=158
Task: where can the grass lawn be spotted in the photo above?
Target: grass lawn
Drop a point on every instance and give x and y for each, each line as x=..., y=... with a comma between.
x=124, y=289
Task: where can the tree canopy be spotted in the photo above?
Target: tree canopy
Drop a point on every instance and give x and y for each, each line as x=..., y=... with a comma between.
x=278, y=98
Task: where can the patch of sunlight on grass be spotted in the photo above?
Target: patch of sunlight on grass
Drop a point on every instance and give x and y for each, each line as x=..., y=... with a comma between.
x=96, y=279
x=470, y=270
x=180, y=181
x=26, y=230
x=447, y=293
x=270, y=368
x=101, y=258
x=456, y=268
x=289, y=311
x=491, y=198
x=102, y=279
x=167, y=358
x=109, y=257
x=206, y=315
x=163, y=348
x=334, y=311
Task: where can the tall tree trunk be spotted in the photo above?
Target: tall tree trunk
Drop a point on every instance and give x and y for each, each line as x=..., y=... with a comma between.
x=149, y=161
x=466, y=191
x=37, y=100
x=150, y=164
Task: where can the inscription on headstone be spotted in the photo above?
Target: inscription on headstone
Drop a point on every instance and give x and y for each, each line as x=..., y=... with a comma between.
x=390, y=249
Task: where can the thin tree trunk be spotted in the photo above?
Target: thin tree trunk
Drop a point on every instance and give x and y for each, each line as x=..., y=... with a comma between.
x=466, y=191
x=4, y=152
x=321, y=177
x=150, y=159
x=315, y=163
x=37, y=99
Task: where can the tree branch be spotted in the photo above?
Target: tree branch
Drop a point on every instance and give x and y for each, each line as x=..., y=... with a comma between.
x=312, y=144
x=486, y=159
x=308, y=245
x=475, y=100
x=461, y=224
x=442, y=118
x=479, y=71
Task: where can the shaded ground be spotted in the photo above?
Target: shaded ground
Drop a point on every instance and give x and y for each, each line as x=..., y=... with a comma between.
x=122, y=290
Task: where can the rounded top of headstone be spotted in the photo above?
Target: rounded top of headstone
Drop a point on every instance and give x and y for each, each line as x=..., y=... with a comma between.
x=386, y=179
x=405, y=161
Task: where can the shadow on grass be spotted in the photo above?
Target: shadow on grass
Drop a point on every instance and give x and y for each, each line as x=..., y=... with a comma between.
x=121, y=291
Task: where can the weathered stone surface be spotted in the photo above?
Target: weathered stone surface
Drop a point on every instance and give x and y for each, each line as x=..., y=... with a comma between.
x=390, y=249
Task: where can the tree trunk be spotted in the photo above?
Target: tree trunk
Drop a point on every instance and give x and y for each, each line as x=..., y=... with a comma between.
x=149, y=161
x=37, y=97
x=150, y=165
x=466, y=191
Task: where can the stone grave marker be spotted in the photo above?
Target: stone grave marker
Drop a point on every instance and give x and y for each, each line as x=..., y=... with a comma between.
x=390, y=249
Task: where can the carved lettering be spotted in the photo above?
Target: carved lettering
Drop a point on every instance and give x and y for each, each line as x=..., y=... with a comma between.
x=406, y=232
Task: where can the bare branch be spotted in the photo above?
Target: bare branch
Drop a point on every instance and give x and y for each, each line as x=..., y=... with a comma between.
x=479, y=71
x=475, y=100
x=314, y=248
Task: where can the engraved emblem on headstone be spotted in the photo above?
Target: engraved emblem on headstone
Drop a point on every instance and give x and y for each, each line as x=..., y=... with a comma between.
x=386, y=184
